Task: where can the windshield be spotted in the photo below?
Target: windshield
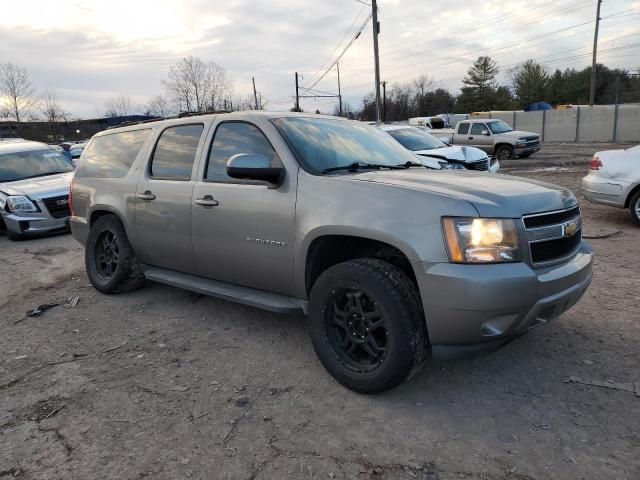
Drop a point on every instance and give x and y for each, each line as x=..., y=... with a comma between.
x=498, y=126
x=32, y=163
x=321, y=143
x=414, y=139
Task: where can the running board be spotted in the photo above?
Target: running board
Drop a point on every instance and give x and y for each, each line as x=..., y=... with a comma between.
x=227, y=291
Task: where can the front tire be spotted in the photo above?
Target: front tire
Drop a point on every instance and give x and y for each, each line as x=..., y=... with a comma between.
x=634, y=208
x=109, y=259
x=366, y=325
x=505, y=152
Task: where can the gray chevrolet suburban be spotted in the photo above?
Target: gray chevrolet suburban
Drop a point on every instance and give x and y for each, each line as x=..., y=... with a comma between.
x=392, y=262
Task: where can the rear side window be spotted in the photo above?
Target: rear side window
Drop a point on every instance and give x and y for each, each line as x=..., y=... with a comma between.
x=111, y=156
x=230, y=139
x=175, y=152
x=463, y=128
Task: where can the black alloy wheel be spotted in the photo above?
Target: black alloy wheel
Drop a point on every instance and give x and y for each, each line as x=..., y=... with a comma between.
x=355, y=330
x=107, y=254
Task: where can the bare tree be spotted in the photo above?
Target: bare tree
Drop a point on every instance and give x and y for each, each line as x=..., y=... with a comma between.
x=51, y=109
x=17, y=90
x=158, y=106
x=422, y=84
x=196, y=86
x=118, y=106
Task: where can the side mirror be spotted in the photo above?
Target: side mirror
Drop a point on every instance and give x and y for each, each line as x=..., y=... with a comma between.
x=252, y=166
x=485, y=133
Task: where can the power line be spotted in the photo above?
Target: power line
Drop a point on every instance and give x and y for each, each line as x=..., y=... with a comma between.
x=355, y=37
x=339, y=43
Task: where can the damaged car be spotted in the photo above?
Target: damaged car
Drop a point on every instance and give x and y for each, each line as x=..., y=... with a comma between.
x=446, y=157
x=34, y=189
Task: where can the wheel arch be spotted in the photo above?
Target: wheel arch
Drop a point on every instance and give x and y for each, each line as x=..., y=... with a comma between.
x=101, y=210
x=633, y=191
x=502, y=144
x=330, y=247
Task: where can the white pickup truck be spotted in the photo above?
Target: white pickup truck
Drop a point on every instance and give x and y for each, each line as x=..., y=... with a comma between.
x=493, y=136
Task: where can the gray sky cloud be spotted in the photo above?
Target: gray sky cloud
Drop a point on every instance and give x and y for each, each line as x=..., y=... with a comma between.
x=88, y=51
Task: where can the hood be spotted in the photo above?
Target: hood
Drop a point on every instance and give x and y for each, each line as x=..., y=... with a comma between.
x=462, y=154
x=518, y=134
x=491, y=195
x=39, y=187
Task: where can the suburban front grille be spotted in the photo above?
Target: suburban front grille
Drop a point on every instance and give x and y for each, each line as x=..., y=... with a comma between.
x=553, y=235
x=58, y=206
x=552, y=249
x=482, y=165
x=554, y=218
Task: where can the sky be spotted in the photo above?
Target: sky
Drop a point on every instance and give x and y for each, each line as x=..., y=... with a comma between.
x=87, y=51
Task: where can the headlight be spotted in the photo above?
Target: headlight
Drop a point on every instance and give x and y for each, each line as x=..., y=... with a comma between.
x=451, y=166
x=522, y=141
x=481, y=240
x=19, y=203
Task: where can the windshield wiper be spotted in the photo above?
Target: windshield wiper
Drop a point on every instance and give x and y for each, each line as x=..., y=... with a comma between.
x=411, y=164
x=355, y=166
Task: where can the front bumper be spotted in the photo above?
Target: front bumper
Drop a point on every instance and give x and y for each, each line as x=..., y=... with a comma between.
x=34, y=223
x=605, y=191
x=474, y=308
x=524, y=150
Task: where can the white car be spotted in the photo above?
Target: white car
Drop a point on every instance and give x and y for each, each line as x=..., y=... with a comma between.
x=435, y=151
x=614, y=179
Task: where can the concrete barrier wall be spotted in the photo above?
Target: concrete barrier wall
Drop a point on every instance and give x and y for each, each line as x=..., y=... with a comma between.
x=529, y=122
x=600, y=123
x=596, y=124
x=560, y=125
x=628, y=125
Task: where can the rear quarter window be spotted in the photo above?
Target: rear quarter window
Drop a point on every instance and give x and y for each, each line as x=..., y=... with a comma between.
x=111, y=156
x=463, y=128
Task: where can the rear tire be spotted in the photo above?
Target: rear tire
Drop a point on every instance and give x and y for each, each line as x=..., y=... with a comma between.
x=366, y=325
x=504, y=152
x=109, y=259
x=634, y=208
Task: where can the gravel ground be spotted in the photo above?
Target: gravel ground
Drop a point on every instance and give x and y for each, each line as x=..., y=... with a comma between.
x=165, y=384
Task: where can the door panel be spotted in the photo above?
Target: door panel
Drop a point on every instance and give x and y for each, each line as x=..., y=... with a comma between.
x=243, y=231
x=164, y=200
x=461, y=135
x=477, y=139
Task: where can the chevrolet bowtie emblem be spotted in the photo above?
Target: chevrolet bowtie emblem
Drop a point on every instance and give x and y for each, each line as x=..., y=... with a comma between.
x=570, y=228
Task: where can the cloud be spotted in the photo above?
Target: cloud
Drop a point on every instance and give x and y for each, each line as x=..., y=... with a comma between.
x=91, y=50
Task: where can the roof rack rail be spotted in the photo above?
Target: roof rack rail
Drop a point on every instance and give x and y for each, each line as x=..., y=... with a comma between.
x=180, y=115
x=193, y=114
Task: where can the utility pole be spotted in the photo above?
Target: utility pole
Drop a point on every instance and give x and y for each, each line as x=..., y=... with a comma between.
x=255, y=94
x=297, y=96
x=384, y=101
x=592, y=92
x=376, y=31
x=339, y=93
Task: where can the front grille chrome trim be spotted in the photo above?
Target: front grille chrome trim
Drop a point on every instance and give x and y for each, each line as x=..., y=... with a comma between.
x=563, y=224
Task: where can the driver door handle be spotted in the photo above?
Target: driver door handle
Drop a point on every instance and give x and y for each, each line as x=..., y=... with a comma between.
x=470, y=138
x=207, y=201
x=146, y=196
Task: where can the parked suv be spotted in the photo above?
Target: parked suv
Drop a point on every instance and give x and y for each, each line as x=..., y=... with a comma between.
x=34, y=189
x=334, y=218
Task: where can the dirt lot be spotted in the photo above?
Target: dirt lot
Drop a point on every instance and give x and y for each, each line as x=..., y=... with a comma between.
x=165, y=384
